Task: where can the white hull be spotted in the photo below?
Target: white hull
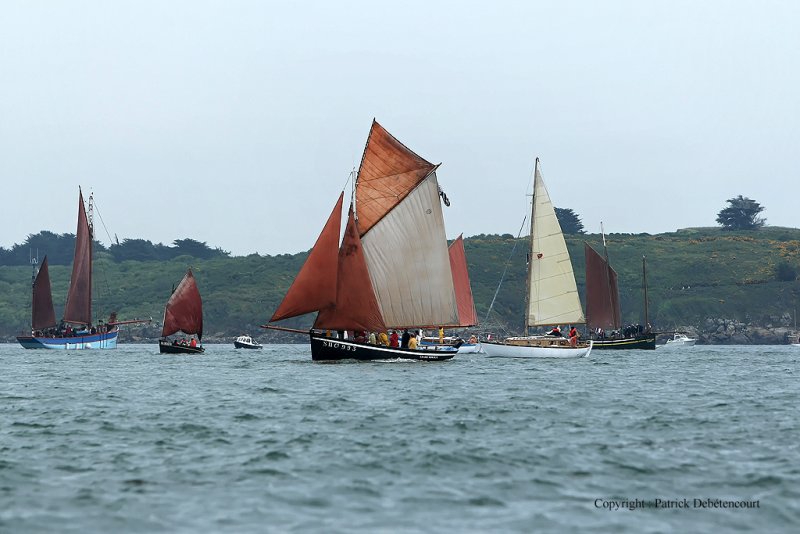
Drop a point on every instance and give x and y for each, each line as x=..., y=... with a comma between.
x=502, y=350
x=470, y=348
x=681, y=340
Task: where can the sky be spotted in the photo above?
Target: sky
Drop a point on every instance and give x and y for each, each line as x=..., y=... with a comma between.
x=237, y=123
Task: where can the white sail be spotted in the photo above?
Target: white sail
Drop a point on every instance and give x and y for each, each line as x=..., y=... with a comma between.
x=553, y=295
x=408, y=261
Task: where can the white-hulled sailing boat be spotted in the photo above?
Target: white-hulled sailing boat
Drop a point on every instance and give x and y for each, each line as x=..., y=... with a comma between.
x=75, y=330
x=392, y=270
x=183, y=313
x=552, y=294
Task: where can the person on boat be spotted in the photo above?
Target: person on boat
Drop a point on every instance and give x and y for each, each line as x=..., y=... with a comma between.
x=472, y=339
x=573, y=336
x=372, y=339
x=404, y=339
x=383, y=339
x=556, y=331
x=193, y=344
x=394, y=339
x=412, y=342
x=441, y=334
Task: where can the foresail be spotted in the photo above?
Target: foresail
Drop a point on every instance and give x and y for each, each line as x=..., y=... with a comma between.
x=602, y=293
x=464, y=300
x=78, y=309
x=184, y=309
x=409, y=266
x=355, y=307
x=389, y=171
x=553, y=294
x=42, y=313
x=314, y=288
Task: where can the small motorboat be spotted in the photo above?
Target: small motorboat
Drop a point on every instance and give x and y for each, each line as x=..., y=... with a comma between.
x=246, y=342
x=681, y=340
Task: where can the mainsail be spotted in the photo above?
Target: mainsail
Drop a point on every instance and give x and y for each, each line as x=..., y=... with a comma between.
x=78, y=309
x=602, y=293
x=42, y=312
x=184, y=309
x=552, y=293
x=392, y=269
x=397, y=194
x=458, y=264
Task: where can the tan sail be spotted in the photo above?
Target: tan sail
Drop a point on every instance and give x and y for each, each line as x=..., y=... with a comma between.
x=553, y=295
x=405, y=247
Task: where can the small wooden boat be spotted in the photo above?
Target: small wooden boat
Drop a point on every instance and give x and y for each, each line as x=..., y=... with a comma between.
x=246, y=342
x=183, y=313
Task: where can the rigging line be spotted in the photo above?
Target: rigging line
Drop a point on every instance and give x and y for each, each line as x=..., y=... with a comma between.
x=508, y=261
x=102, y=270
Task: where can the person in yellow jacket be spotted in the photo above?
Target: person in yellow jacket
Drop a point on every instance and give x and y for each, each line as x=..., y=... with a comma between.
x=383, y=339
x=412, y=341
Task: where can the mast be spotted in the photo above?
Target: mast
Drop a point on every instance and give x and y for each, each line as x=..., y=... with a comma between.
x=644, y=285
x=528, y=256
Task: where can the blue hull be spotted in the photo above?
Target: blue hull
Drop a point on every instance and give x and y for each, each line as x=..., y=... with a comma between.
x=107, y=340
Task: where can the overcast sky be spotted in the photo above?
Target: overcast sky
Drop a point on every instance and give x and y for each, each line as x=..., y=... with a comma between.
x=237, y=123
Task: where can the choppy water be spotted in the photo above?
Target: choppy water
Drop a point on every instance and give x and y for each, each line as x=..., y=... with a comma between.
x=267, y=441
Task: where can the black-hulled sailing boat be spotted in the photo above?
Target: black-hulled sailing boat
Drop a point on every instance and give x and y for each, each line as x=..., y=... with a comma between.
x=392, y=270
x=183, y=313
x=75, y=330
x=603, y=315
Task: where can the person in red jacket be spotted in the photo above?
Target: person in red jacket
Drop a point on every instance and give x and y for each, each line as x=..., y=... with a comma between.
x=394, y=339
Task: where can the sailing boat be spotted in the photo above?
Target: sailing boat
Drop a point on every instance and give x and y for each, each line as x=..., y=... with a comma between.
x=75, y=330
x=603, y=310
x=392, y=270
x=552, y=294
x=183, y=313
x=466, y=306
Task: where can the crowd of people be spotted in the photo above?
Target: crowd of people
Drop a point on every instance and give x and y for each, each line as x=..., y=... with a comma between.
x=67, y=330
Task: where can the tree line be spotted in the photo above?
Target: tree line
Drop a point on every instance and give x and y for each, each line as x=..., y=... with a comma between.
x=60, y=248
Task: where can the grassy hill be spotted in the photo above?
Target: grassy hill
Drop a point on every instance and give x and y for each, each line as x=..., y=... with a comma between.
x=692, y=275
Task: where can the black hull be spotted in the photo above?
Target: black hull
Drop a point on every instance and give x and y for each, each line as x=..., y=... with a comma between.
x=643, y=342
x=169, y=348
x=330, y=349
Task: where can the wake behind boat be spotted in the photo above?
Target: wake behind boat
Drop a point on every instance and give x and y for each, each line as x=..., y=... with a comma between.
x=552, y=296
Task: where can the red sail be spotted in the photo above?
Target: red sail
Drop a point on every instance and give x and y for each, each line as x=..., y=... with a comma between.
x=356, y=307
x=388, y=172
x=42, y=313
x=458, y=266
x=79, y=298
x=315, y=285
x=602, y=293
x=184, y=310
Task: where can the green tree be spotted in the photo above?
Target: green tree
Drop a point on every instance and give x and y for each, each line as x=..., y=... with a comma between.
x=741, y=214
x=569, y=221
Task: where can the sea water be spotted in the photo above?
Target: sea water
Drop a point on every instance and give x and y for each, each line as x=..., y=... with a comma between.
x=695, y=439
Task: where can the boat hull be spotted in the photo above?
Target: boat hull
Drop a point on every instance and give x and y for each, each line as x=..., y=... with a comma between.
x=328, y=349
x=643, y=342
x=689, y=343
x=107, y=340
x=169, y=348
x=514, y=350
x=430, y=343
x=240, y=345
